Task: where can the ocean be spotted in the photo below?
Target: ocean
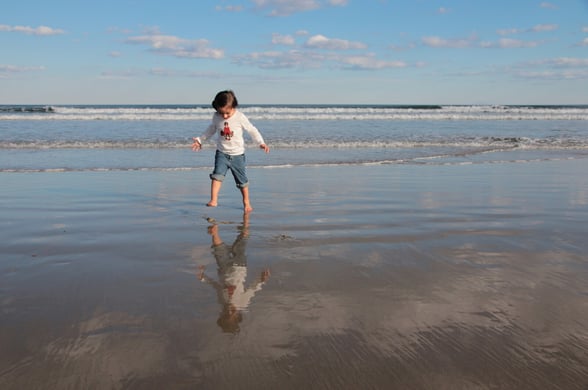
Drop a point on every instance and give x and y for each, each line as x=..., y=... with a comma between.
x=66, y=138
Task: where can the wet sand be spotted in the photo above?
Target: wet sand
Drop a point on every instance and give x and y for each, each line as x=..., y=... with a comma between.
x=371, y=277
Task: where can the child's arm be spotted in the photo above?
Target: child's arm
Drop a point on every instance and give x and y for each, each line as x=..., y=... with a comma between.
x=197, y=141
x=254, y=133
x=205, y=279
x=265, y=274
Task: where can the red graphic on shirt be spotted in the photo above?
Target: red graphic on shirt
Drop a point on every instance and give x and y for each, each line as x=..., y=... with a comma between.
x=226, y=132
x=231, y=290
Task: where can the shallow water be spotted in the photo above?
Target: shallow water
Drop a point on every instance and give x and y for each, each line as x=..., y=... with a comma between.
x=388, y=276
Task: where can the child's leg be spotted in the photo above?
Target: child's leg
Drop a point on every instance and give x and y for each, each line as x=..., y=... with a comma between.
x=215, y=186
x=239, y=173
x=246, y=204
x=221, y=165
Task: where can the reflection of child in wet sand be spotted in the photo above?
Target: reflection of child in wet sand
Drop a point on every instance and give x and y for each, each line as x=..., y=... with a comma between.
x=232, y=293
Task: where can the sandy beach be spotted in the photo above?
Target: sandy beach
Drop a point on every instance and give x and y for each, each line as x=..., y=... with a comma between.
x=357, y=277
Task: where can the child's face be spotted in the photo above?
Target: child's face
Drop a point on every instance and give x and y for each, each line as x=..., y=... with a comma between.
x=226, y=112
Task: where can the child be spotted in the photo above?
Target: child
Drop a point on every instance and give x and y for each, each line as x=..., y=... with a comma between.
x=228, y=123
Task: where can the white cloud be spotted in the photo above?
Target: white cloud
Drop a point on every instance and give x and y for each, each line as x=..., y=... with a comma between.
x=19, y=69
x=574, y=62
x=121, y=74
x=278, y=39
x=322, y=42
x=370, y=62
x=162, y=72
x=508, y=43
x=443, y=11
x=230, y=8
x=561, y=68
x=545, y=4
x=301, y=59
x=554, y=75
x=289, y=7
x=286, y=7
x=438, y=42
x=537, y=28
x=40, y=31
x=151, y=30
x=584, y=42
x=472, y=41
x=281, y=60
x=563, y=62
x=508, y=31
x=177, y=47
x=408, y=46
x=544, y=27
x=113, y=30
x=157, y=72
x=7, y=70
x=317, y=52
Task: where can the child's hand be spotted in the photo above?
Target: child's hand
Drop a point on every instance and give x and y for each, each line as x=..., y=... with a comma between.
x=201, y=272
x=265, y=274
x=196, y=145
x=264, y=147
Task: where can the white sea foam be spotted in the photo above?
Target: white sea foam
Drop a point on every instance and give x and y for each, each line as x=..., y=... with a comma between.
x=135, y=138
x=478, y=144
x=359, y=113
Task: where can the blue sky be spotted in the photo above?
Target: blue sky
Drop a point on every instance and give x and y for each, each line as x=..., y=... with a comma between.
x=294, y=51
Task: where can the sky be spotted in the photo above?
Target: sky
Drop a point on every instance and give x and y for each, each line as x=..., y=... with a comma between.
x=294, y=51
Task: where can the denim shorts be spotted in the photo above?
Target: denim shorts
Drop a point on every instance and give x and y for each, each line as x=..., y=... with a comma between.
x=223, y=162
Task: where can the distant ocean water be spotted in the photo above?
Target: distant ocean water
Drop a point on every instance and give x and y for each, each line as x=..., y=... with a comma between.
x=158, y=137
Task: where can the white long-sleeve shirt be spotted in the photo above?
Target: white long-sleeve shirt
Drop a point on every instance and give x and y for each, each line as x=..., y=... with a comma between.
x=234, y=290
x=231, y=141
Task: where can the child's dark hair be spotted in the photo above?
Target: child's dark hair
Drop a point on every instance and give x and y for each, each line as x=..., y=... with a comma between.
x=225, y=98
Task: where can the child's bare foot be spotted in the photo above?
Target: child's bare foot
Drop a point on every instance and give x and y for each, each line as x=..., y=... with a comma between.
x=247, y=208
x=211, y=204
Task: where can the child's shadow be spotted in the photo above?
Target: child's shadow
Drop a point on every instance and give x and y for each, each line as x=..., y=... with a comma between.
x=233, y=296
